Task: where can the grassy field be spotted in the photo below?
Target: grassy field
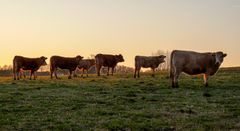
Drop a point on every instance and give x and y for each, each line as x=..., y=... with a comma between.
x=121, y=102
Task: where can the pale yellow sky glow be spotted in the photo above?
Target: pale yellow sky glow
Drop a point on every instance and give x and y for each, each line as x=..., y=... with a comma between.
x=131, y=27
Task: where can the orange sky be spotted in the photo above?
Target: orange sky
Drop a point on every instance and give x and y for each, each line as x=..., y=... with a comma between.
x=131, y=27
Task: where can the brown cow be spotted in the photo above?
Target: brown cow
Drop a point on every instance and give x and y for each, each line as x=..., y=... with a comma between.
x=86, y=64
x=23, y=63
x=148, y=62
x=194, y=63
x=109, y=61
x=69, y=63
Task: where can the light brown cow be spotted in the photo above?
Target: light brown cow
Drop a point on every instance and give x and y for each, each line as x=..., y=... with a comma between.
x=86, y=64
x=24, y=63
x=194, y=63
x=69, y=63
x=109, y=61
x=148, y=62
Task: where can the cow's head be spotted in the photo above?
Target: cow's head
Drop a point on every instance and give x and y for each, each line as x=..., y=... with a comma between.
x=161, y=58
x=219, y=57
x=43, y=60
x=119, y=58
x=79, y=58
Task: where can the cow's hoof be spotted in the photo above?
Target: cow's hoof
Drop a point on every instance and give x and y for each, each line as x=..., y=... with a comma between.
x=175, y=86
x=206, y=85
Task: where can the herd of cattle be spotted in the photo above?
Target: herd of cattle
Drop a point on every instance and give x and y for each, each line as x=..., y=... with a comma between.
x=189, y=62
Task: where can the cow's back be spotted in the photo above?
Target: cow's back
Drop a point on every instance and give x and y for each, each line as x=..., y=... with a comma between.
x=105, y=60
x=63, y=62
x=146, y=61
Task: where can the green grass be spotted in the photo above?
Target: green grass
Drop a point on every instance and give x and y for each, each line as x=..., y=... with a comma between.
x=121, y=102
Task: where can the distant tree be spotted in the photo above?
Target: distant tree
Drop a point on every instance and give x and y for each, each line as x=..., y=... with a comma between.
x=166, y=64
x=124, y=69
x=92, y=56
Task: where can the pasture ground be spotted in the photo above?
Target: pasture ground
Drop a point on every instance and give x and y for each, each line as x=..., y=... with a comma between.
x=121, y=102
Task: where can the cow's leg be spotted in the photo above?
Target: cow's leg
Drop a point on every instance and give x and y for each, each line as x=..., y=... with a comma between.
x=176, y=76
x=112, y=70
x=98, y=69
x=18, y=78
x=31, y=75
x=14, y=73
x=55, y=73
x=34, y=74
x=206, y=77
x=18, y=70
x=74, y=73
x=20, y=75
x=135, y=72
x=87, y=72
x=70, y=74
x=153, y=69
x=51, y=72
x=82, y=73
x=24, y=74
x=108, y=71
x=139, y=72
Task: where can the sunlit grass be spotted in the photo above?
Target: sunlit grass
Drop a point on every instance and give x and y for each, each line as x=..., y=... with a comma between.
x=121, y=102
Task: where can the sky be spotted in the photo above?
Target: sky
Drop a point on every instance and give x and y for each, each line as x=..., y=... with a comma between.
x=33, y=28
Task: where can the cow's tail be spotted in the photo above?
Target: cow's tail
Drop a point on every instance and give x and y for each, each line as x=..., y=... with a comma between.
x=14, y=67
x=136, y=62
x=171, y=65
x=51, y=65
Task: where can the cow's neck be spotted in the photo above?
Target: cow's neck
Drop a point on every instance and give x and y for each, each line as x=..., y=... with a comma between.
x=213, y=68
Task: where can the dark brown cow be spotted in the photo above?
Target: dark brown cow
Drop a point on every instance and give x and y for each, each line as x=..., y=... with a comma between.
x=194, y=63
x=109, y=61
x=69, y=63
x=86, y=64
x=23, y=63
x=148, y=62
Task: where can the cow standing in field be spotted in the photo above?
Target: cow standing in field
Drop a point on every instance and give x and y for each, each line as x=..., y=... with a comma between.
x=23, y=63
x=109, y=61
x=69, y=63
x=86, y=64
x=148, y=62
x=194, y=63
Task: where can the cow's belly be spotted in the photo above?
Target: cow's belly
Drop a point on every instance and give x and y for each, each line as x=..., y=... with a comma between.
x=108, y=65
x=70, y=67
x=194, y=71
x=146, y=66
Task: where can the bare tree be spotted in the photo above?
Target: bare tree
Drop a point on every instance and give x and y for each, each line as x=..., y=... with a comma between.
x=166, y=64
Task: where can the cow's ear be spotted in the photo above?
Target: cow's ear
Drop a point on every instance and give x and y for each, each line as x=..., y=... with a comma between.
x=45, y=58
x=224, y=55
x=162, y=56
